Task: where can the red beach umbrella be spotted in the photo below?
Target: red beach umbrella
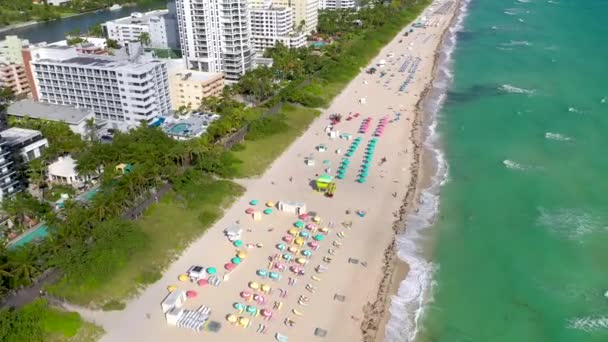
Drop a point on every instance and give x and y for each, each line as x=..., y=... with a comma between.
x=191, y=294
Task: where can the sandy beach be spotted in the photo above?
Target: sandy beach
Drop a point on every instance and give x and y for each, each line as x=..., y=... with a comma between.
x=362, y=265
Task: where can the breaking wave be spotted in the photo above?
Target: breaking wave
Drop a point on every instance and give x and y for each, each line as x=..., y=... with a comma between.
x=557, y=136
x=589, y=323
x=516, y=90
x=509, y=164
x=517, y=43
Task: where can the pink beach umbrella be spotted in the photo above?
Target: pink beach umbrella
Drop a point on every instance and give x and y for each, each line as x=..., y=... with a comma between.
x=191, y=294
x=267, y=314
x=313, y=244
x=246, y=295
x=303, y=216
x=280, y=266
x=295, y=269
x=202, y=282
x=229, y=266
x=249, y=211
x=288, y=238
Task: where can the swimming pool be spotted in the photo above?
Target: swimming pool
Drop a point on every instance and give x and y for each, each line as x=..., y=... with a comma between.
x=37, y=233
x=179, y=128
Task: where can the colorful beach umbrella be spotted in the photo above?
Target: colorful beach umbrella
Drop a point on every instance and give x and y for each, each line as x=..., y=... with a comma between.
x=241, y=254
x=268, y=211
x=231, y=318
x=249, y=211
x=211, y=270
x=171, y=288
x=202, y=282
x=237, y=243
x=183, y=277
x=254, y=202
x=318, y=237
x=236, y=260
x=191, y=294
x=229, y=266
x=254, y=285
x=261, y=273
x=238, y=306
x=292, y=231
x=299, y=224
x=281, y=246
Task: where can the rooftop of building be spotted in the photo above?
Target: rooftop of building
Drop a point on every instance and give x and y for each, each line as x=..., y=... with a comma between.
x=138, y=18
x=64, y=167
x=197, y=76
x=16, y=135
x=49, y=111
x=69, y=55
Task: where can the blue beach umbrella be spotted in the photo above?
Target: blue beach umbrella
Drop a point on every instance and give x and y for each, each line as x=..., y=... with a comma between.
x=253, y=202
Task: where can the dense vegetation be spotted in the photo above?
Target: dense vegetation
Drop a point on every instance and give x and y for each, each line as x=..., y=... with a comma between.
x=87, y=238
x=17, y=11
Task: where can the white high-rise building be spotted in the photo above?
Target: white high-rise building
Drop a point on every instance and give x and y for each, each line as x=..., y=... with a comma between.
x=121, y=90
x=160, y=25
x=270, y=24
x=215, y=36
x=336, y=4
x=305, y=12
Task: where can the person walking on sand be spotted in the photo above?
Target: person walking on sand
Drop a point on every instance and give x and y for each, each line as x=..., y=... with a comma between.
x=291, y=179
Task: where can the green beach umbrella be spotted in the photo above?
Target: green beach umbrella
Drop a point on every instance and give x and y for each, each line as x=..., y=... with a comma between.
x=267, y=211
x=299, y=224
x=235, y=260
x=340, y=176
x=237, y=243
x=318, y=237
x=253, y=202
x=348, y=154
x=211, y=270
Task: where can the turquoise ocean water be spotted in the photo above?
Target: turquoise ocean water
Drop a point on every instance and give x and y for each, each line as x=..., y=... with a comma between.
x=519, y=246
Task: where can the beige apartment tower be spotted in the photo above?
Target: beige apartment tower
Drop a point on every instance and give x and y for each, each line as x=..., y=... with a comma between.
x=304, y=11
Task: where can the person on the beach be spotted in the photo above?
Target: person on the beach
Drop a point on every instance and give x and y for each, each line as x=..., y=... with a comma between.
x=291, y=179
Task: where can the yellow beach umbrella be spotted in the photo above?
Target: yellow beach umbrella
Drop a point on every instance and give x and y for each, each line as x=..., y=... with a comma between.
x=299, y=241
x=293, y=231
x=265, y=288
x=183, y=277
x=231, y=318
x=270, y=204
x=301, y=261
x=253, y=285
x=324, y=229
x=171, y=288
x=292, y=249
x=244, y=322
x=316, y=219
x=241, y=254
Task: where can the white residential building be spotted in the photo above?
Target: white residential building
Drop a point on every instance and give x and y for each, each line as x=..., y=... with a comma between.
x=122, y=90
x=214, y=36
x=27, y=143
x=160, y=25
x=270, y=24
x=9, y=184
x=336, y=4
x=305, y=12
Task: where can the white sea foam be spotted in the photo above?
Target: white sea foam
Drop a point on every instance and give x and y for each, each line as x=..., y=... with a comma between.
x=504, y=48
x=521, y=20
x=509, y=164
x=571, y=223
x=516, y=90
x=553, y=2
x=415, y=291
x=557, y=136
x=575, y=110
x=517, y=43
x=604, y=100
x=589, y=323
x=524, y=1
x=509, y=13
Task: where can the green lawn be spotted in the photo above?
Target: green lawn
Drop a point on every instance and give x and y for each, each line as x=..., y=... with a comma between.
x=257, y=155
x=170, y=226
x=63, y=326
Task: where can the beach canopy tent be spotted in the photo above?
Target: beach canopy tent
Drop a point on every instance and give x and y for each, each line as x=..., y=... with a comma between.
x=124, y=168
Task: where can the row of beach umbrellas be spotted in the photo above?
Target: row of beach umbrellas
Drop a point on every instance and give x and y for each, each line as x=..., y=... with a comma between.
x=346, y=161
x=369, y=154
x=381, y=126
x=365, y=125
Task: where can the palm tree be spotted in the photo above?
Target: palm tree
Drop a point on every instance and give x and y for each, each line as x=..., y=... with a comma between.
x=24, y=268
x=144, y=38
x=91, y=128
